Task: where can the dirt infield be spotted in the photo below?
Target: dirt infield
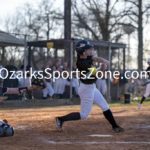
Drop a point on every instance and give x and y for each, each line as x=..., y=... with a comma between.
x=35, y=129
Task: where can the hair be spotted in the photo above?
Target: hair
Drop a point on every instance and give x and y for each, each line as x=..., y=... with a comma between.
x=80, y=53
x=78, y=56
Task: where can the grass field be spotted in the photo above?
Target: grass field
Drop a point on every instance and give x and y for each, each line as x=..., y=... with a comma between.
x=35, y=129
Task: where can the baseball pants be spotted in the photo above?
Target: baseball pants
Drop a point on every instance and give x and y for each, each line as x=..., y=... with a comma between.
x=89, y=94
x=48, y=90
x=147, y=92
x=101, y=86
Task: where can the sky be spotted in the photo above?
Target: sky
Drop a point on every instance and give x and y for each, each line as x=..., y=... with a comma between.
x=8, y=8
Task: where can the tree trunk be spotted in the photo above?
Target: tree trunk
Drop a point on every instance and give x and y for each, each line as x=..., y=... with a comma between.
x=140, y=37
x=67, y=27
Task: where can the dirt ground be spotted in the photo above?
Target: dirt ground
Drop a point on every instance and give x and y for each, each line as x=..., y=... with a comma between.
x=35, y=129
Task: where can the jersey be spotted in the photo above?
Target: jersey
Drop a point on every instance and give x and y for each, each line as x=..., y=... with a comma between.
x=83, y=64
x=148, y=73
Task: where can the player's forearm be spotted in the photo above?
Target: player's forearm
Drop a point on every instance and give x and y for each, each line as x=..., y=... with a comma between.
x=100, y=60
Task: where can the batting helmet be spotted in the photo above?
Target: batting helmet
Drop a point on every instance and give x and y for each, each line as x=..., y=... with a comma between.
x=6, y=129
x=82, y=45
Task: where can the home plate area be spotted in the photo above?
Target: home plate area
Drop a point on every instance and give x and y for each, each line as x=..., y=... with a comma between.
x=36, y=130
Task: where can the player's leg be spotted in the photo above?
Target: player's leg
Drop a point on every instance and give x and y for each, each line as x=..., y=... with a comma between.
x=14, y=90
x=50, y=89
x=19, y=90
x=45, y=91
x=86, y=94
x=101, y=102
x=98, y=84
x=146, y=94
x=104, y=87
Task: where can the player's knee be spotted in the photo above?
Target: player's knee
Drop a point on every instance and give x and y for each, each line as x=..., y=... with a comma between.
x=105, y=108
x=83, y=115
x=146, y=95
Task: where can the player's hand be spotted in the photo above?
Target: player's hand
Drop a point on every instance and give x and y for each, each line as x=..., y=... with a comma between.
x=103, y=66
x=139, y=106
x=107, y=62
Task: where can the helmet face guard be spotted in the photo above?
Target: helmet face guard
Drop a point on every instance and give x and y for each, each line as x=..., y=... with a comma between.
x=82, y=45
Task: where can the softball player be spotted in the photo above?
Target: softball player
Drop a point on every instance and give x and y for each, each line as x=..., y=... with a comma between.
x=36, y=83
x=48, y=90
x=87, y=91
x=12, y=91
x=147, y=92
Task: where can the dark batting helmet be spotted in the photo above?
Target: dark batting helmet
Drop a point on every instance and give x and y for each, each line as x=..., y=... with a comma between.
x=82, y=45
x=5, y=129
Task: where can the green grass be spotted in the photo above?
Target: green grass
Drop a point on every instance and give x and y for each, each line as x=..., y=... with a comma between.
x=43, y=104
x=132, y=103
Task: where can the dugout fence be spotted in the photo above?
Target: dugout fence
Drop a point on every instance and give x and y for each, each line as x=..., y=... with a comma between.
x=62, y=44
x=8, y=40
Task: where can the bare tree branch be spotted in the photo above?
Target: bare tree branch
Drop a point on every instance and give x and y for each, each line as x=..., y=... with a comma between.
x=146, y=9
x=132, y=2
x=114, y=5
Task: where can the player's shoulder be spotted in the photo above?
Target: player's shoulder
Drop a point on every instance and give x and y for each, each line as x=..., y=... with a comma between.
x=148, y=68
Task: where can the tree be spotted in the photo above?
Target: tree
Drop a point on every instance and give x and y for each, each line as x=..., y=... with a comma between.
x=98, y=20
x=138, y=13
x=35, y=23
x=12, y=25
